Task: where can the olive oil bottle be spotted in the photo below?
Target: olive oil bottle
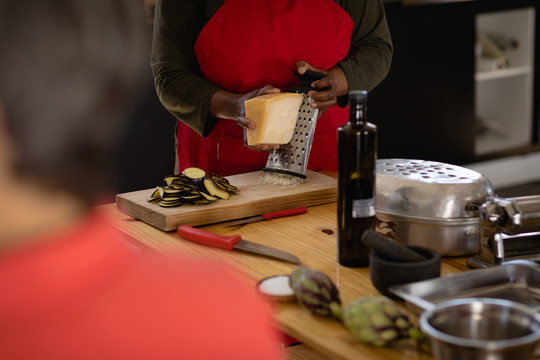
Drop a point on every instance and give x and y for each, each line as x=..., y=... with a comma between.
x=357, y=154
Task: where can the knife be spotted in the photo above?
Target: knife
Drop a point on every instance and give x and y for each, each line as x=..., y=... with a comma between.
x=268, y=216
x=233, y=242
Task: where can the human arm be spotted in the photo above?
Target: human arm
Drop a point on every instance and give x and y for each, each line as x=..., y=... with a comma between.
x=179, y=83
x=367, y=63
x=370, y=55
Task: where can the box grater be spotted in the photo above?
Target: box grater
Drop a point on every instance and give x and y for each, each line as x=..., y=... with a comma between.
x=292, y=158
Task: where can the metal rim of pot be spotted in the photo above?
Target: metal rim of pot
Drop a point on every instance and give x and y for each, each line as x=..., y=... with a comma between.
x=495, y=344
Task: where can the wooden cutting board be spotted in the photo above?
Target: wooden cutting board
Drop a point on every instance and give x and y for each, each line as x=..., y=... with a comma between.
x=253, y=198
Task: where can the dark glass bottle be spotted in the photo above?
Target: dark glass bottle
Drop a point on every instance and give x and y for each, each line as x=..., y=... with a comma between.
x=357, y=154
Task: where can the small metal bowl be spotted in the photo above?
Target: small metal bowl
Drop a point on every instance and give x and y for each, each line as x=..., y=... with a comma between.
x=276, y=288
x=481, y=328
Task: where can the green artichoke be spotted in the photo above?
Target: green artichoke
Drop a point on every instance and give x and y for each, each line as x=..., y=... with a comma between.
x=316, y=292
x=378, y=321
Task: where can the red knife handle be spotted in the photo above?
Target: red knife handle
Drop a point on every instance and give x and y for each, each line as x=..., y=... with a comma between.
x=287, y=212
x=208, y=238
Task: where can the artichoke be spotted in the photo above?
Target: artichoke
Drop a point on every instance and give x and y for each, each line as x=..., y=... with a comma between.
x=316, y=292
x=378, y=321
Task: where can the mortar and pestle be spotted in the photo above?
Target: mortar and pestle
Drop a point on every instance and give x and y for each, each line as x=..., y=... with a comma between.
x=392, y=263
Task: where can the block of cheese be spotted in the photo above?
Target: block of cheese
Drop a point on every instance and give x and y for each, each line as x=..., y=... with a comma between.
x=274, y=116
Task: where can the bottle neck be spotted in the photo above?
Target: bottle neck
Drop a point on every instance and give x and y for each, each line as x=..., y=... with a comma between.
x=358, y=114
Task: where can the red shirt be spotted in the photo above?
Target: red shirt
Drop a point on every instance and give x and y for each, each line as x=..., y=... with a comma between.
x=87, y=294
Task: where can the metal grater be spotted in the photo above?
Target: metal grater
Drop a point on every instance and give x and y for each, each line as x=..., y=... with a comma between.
x=292, y=158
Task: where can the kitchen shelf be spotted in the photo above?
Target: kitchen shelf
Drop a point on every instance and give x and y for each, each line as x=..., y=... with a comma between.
x=444, y=99
x=504, y=97
x=503, y=73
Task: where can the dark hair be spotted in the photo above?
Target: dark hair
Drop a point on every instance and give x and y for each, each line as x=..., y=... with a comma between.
x=68, y=69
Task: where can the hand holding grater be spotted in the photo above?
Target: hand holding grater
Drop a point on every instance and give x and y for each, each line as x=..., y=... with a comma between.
x=292, y=158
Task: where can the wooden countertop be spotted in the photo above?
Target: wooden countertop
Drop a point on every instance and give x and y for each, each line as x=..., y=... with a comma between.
x=311, y=237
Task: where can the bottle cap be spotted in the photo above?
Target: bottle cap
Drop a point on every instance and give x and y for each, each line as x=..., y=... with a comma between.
x=358, y=96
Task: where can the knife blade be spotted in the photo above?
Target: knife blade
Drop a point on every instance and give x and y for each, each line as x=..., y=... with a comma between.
x=268, y=216
x=232, y=242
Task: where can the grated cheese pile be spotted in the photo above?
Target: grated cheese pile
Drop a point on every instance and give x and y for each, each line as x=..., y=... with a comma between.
x=276, y=178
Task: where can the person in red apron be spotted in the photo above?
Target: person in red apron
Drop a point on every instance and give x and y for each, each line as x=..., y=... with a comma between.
x=208, y=57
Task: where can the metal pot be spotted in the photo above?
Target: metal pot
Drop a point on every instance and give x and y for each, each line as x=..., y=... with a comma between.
x=481, y=328
x=431, y=204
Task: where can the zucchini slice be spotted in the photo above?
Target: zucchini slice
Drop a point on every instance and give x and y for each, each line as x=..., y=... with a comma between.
x=169, y=204
x=231, y=188
x=192, y=197
x=208, y=197
x=167, y=190
x=155, y=196
x=169, y=180
x=213, y=190
x=194, y=173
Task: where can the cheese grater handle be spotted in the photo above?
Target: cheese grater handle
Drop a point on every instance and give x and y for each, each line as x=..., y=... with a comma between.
x=305, y=81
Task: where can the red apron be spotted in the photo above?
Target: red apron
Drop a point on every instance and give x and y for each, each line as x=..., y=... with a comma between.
x=248, y=44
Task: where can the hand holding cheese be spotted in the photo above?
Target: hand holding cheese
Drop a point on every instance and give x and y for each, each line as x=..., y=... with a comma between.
x=274, y=116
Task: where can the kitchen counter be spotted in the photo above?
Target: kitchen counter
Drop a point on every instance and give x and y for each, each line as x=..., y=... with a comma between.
x=310, y=236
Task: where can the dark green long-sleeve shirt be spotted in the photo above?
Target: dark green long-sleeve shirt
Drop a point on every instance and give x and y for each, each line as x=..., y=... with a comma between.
x=184, y=91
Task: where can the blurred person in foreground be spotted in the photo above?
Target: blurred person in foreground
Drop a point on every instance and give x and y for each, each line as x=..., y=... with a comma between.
x=71, y=287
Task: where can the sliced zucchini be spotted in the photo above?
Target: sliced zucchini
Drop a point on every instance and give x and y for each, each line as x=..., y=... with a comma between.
x=224, y=184
x=161, y=191
x=192, y=186
x=194, y=173
x=213, y=190
x=219, y=185
x=169, y=180
x=231, y=188
x=171, y=191
x=172, y=199
x=192, y=197
x=155, y=196
x=169, y=204
x=208, y=197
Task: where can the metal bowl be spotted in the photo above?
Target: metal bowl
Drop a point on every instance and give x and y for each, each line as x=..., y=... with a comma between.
x=481, y=328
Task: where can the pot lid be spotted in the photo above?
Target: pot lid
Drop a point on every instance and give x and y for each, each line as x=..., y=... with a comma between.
x=432, y=189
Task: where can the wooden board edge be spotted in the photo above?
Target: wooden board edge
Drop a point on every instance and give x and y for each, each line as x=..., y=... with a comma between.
x=324, y=197
x=144, y=214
